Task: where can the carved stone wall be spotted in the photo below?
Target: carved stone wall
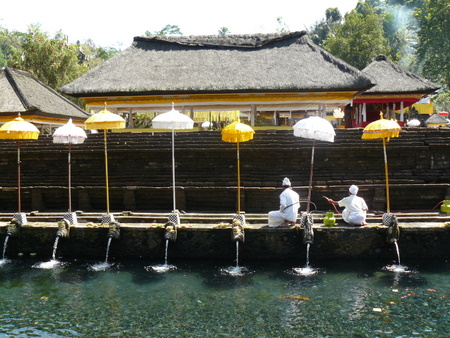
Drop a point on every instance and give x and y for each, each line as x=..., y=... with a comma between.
x=140, y=171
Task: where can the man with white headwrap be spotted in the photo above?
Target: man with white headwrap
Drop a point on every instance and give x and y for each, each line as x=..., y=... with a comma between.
x=289, y=204
x=355, y=207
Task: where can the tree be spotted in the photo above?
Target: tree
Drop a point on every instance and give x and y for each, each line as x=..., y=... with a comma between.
x=223, y=31
x=51, y=60
x=319, y=32
x=91, y=56
x=167, y=30
x=433, y=48
x=8, y=41
x=282, y=26
x=359, y=39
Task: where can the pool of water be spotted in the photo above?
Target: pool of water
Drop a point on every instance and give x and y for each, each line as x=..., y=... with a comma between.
x=217, y=299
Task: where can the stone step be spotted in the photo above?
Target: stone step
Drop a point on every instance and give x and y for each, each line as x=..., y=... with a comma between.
x=214, y=219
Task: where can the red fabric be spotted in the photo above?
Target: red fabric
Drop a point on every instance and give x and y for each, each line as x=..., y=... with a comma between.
x=406, y=101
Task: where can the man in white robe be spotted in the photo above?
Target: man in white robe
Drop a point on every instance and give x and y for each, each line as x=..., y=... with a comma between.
x=355, y=207
x=289, y=205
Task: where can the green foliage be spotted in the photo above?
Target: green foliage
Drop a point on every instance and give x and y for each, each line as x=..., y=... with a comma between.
x=223, y=31
x=8, y=41
x=282, y=26
x=433, y=49
x=167, y=30
x=51, y=60
x=359, y=39
x=91, y=56
x=320, y=31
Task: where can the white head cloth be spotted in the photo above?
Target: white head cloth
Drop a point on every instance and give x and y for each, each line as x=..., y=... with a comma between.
x=286, y=181
x=353, y=189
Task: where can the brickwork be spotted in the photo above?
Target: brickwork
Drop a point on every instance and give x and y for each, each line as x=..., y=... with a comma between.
x=140, y=171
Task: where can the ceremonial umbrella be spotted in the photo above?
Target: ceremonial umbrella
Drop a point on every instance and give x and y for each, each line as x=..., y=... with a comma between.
x=19, y=129
x=173, y=119
x=413, y=123
x=384, y=129
x=105, y=120
x=315, y=128
x=237, y=132
x=69, y=134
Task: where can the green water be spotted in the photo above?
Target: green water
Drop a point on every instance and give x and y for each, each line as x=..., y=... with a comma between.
x=197, y=299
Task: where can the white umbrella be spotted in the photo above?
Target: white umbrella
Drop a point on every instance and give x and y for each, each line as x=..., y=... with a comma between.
x=315, y=128
x=173, y=119
x=206, y=125
x=413, y=123
x=69, y=134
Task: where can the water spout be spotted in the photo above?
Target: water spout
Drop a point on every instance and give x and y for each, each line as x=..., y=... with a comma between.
x=114, y=230
x=171, y=231
x=307, y=225
x=393, y=232
x=13, y=227
x=237, y=234
x=63, y=228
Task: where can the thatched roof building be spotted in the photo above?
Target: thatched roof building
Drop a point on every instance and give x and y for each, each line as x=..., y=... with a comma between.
x=229, y=72
x=436, y=120
x=395, y=89
x=36, y=102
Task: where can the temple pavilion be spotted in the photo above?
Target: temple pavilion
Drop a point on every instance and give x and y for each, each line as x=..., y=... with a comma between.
x=276, y=76
x=21, y=93
x=395, y=90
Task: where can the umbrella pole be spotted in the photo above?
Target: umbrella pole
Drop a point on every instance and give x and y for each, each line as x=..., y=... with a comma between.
x=18, y=177
x=70, y=181
x=311, y=175
x=106, y=171
x=173, y=170
x=239, y=179
x=387, y=178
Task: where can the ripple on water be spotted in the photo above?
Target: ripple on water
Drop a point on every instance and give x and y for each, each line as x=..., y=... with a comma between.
x=161, y=268
x=305, y=271
x=49, y=264
x=4, y=261
x=234, y=270
x=102, y=266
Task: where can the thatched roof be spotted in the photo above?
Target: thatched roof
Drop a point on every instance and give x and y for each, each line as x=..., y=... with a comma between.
x=220, y=64
x=22, y=93
x=391, y=79
x=436, y=119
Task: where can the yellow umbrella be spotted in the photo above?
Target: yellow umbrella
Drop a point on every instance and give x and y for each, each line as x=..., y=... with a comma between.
x=384, y=129
x=237, y=132
x=105, y=120
x=19, y=129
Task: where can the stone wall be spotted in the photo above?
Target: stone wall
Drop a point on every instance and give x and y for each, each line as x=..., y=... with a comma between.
x=140, y=171
x=264, y=243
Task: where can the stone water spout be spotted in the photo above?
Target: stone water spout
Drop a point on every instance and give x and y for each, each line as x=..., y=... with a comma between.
x=393, y=232
x=171, y=231
x=307, y=225
x=238, y=234
x=13, y=227
x=63, y=228
x=114, y=230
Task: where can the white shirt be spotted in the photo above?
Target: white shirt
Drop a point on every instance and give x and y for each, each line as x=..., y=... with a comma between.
x=353, y=203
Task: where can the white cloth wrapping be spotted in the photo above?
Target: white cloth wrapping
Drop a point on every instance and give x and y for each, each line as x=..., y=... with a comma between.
x=355, y=210
x=289, y=205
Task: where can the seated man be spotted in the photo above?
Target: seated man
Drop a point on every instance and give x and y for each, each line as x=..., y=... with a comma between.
x=289, y=205
x=355, y=207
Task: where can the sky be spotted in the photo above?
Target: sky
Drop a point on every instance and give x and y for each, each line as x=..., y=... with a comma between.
x=114, y=23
